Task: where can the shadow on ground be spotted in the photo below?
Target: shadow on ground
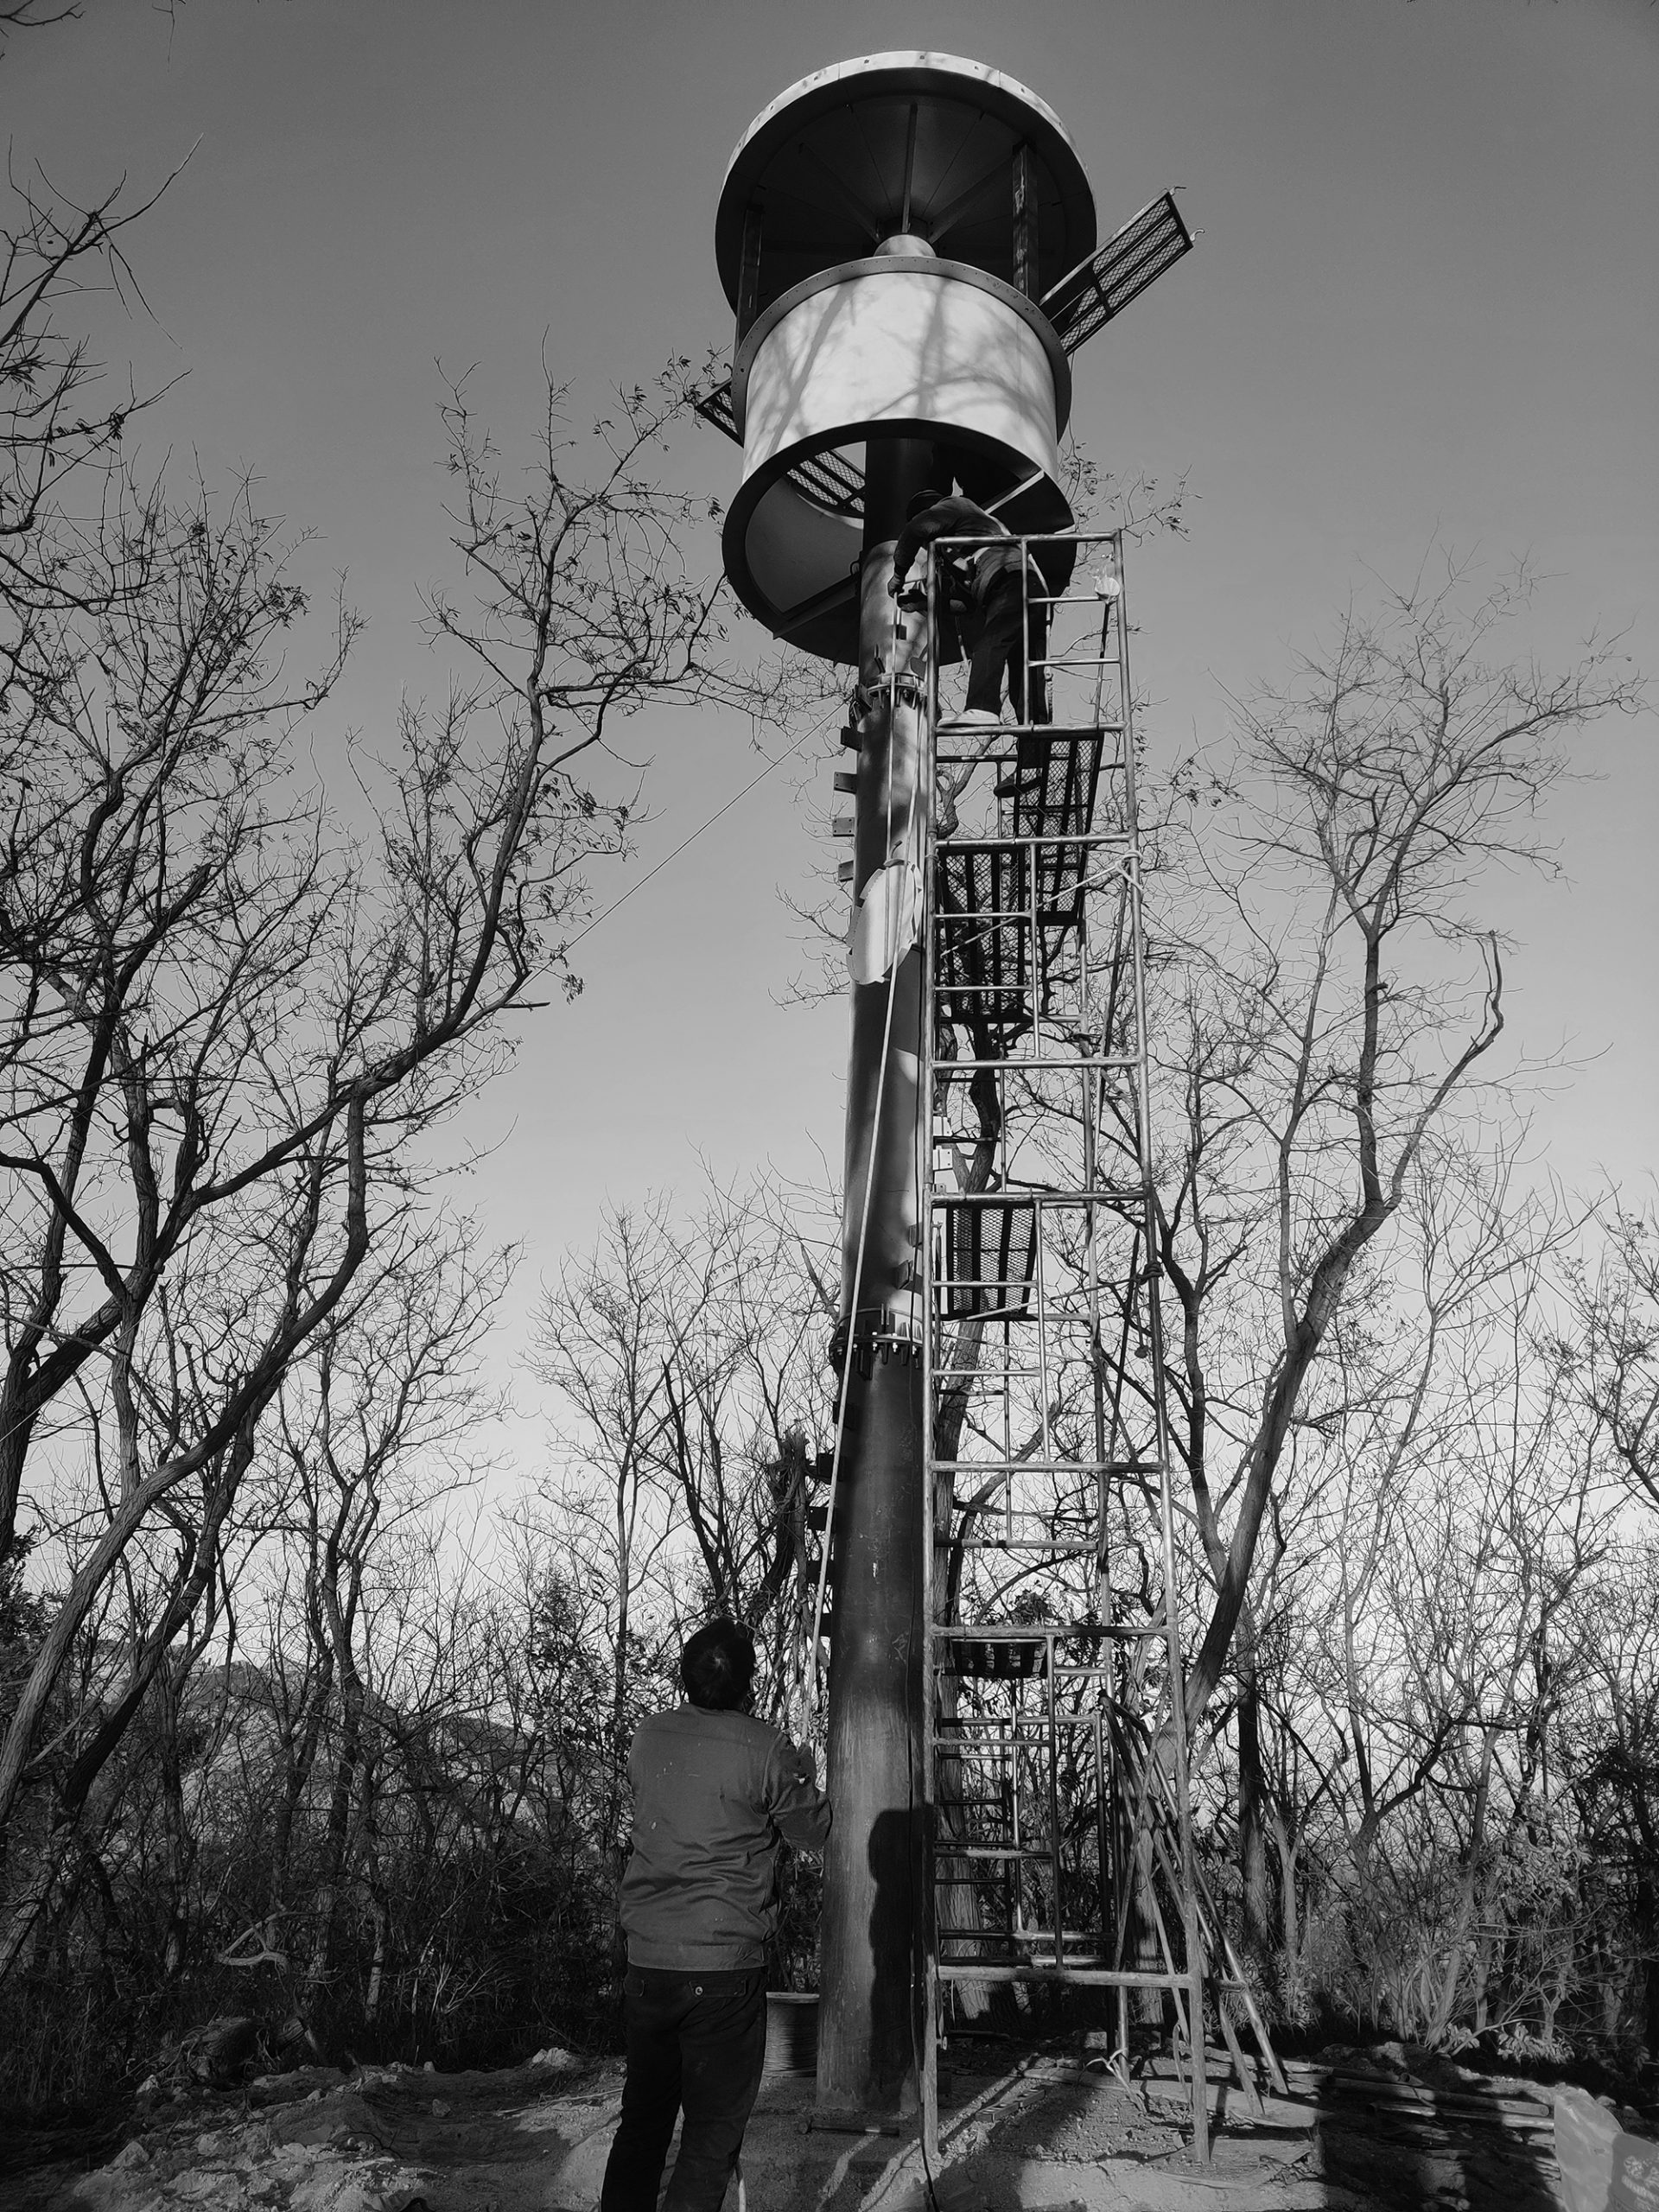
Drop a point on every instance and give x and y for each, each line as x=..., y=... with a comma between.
x=1404, y=2127
x=1042, y=2131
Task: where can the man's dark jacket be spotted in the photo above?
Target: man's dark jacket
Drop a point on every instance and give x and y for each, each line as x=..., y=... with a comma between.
x=713, y=1793
x=959, y=518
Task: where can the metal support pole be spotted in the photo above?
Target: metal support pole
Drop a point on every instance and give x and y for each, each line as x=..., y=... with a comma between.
x=1026, y=278
x=872, y=1962
x=936, y=1490
x=1177, y=1742
x=748, y=278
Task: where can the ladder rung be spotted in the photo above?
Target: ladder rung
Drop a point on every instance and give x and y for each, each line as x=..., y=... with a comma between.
x=1100, y=1977
x=978, y=1469
x=1055, y=1546
x=1080, y=1469
x=951, y=1631
x=997, y=1850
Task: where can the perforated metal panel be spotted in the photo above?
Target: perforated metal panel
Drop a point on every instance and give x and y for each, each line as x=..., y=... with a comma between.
x=991, y=1247
x=1119, y=272
x=825, y=478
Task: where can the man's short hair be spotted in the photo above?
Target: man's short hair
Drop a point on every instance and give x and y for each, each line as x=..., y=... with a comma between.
x=920, y=502
x=717, y=1665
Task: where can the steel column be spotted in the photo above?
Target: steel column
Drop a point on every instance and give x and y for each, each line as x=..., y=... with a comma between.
x=872, y=1949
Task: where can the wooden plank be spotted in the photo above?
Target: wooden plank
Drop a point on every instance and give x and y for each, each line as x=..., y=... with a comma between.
x=1276, y=2112
x=1259, y=2026
x=1229, y=2035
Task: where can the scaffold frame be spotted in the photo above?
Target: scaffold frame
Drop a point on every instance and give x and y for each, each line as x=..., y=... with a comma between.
x=1033, y=943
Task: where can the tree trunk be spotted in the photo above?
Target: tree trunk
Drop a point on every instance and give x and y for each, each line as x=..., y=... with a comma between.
x=63, y=1831
x=1290, y=1918
x=327, y=1900
x=1445, y=2002
x=300, y=1757
x=1646, y=1916
x=168, y=1691
x=1255, y=1890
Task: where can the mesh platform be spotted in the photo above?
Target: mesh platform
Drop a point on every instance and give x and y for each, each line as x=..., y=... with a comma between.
x=1058, y=779
x=1004, y=910
x=991, y=1249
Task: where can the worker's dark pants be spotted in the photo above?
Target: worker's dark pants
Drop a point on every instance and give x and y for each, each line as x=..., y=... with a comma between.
x=696, y=2041
x=1001, y=620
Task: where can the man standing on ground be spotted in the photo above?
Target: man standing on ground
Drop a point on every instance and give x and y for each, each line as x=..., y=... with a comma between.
x=715, y=1790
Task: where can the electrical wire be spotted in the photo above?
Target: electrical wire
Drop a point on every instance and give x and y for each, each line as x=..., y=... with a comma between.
x=811, y=730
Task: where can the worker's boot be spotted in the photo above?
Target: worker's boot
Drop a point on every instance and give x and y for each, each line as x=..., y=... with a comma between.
x=1029, y=775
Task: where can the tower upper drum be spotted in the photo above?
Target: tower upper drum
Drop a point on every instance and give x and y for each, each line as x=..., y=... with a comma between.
x=886, y=230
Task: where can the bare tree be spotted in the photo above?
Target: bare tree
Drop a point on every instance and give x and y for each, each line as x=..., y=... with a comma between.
x=747, y=1400
x=1438, y=1515
x=1612, y=1739
x=1329, y=1004
x=685, y=1355
x=1611, y=1354
x=376, y=1427
x=53, y=252
x=223, y=1022
x=599, y=1348
x=34, y=15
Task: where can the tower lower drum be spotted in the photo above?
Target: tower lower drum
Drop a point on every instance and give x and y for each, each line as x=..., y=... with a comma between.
x=901, y=346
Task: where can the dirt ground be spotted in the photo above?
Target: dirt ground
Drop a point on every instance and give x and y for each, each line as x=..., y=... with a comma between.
x=1038, y=2131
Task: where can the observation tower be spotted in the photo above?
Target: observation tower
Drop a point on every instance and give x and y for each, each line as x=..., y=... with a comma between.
x=908, y=244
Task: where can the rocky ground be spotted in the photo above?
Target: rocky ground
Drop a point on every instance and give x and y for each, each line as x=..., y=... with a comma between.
x=1359, y=2130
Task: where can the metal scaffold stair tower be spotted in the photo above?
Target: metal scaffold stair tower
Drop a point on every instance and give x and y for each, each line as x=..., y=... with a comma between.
x=909, y=245
x=1059, y=1832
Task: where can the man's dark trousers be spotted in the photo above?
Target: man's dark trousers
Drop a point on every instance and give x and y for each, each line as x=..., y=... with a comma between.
x=697, y=2041
x=1008, y=632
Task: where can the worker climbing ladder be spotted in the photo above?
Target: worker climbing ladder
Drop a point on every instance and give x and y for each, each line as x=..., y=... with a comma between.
x=1059, y=1840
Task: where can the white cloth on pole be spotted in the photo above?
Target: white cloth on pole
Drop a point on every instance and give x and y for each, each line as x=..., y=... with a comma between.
x=886, y=921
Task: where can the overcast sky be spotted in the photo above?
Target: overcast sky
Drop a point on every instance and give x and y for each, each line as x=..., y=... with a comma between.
x=1421, y=309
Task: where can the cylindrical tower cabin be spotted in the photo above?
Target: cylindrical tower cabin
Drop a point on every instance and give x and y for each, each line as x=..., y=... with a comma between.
x=886, y=230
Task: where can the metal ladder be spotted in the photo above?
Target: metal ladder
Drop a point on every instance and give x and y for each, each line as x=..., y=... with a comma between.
x=1058, y=1825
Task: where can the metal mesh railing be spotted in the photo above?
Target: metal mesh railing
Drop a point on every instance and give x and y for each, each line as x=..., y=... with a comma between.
x=826, y=479
x=1117, y=272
